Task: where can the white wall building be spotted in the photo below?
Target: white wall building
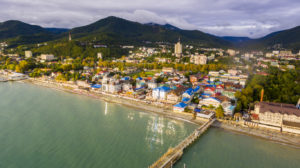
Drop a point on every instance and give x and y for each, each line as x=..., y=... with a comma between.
x=28, y=54
x=198, y=59
x=178, y=49
x=47, y=57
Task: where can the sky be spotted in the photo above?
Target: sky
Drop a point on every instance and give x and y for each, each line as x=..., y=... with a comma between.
x=251, y=18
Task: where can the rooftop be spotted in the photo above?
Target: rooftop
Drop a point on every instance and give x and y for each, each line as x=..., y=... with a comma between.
x=282, y=108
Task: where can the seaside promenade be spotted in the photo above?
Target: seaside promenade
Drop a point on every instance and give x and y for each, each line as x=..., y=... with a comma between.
x=172, y=155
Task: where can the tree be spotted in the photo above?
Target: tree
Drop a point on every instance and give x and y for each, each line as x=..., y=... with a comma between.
x=23, y=66
x=220, y=112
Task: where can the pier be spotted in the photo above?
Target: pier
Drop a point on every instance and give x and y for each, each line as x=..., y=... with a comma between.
x=173, y=154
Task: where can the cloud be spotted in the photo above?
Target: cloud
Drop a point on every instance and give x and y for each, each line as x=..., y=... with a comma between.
x=253, y=18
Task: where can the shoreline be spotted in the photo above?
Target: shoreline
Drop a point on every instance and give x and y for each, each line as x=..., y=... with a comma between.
x=291, y=140
x=279, y=137
x=125, y=102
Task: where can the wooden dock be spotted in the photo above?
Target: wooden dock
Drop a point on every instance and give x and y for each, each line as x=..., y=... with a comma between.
x=174, y=154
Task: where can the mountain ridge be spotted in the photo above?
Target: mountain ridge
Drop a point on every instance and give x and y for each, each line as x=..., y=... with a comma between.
x=114, y=30
x=128, y=31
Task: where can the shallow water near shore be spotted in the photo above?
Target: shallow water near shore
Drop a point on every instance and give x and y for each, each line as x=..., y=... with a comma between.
x=43, y=127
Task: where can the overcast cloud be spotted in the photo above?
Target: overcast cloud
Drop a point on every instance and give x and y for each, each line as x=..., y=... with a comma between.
x=253, y=18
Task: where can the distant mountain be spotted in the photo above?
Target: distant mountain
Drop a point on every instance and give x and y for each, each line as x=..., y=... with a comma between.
x=13, y=28
x=167, y=26
x=57, y=30
x=236, y=39
x=113, y=30
x=287, y=38
x=17, y=33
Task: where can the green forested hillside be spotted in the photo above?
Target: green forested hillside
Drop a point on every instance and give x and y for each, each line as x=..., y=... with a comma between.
x=279, y=86
x=116, y=30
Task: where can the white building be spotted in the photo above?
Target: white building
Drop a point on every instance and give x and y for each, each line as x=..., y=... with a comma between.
x=47, y=57
x=160, y=93
x=114, y=88
x=198, y=59
x=28, y=54
x=231, y=52
x=99, y=55
x=285, y=117
x=152, y=85
x=17, y=76
x=126, y=87
x=82, y=84
x=210, y=101
x=232, y=72
x=269, y=55
x=178, y=49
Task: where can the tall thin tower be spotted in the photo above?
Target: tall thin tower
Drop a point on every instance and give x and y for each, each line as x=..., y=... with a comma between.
x=70, y=37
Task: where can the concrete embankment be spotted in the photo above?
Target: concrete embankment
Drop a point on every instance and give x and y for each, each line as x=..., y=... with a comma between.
x=276, y=136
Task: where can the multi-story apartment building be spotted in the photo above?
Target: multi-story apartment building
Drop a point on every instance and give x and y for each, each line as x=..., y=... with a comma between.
x=284, y=116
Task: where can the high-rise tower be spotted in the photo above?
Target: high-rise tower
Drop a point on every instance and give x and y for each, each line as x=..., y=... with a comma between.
x=178, y=49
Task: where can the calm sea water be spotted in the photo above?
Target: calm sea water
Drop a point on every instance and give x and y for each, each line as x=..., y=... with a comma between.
x=221, y=149
x=45, y=128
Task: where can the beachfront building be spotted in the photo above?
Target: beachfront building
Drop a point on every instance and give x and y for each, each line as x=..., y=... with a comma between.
x=160, y=93
x=82, y=84
x=114, y=88
x=204, y=114
x=17, y=76
x=286, y=117
x=175, y=95
x=228, y=108
x=105, y=87
x=180, y=107
x=211, y=101
x=127, y=87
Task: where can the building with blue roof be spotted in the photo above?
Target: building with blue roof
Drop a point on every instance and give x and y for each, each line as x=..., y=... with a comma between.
x=197, y=89
x=126, y=78
x=180, y=107
x=188, y=93
x=96, y=86
x=186, y=100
